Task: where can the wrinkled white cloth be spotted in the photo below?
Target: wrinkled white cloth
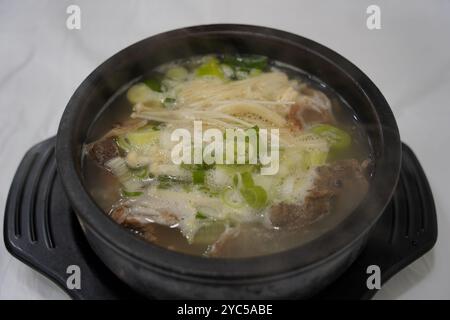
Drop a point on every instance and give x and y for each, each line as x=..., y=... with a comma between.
x=42, y=63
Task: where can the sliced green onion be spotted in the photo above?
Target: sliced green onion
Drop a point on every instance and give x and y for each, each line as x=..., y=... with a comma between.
x=140, y=173
x=177, y=73
x=255, y=62
x=209, y=233
x=210, y=68
x=316, y=158
x=138, y=138
x=153, y=84
x=337, y=138
x=169, y=102
x=246, y=62
x=247, y=180
x=255, y=196
x=123, y=143
x=201, y=216
x=232, y=198
x=140, y=93
x=166, y=181
x=198, y=176
x=131, y=194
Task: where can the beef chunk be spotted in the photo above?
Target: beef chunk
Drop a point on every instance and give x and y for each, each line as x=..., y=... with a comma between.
x=149, y=232
x=119, y=214
x=282, y=213
x=294, y=116
x=340, y=185
x=294, y=215
x=336, y=177
x=312, y=108
x=310, y=115
x=103, y=150
x=145, y=229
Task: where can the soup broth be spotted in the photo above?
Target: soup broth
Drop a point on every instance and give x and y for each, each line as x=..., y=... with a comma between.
x=227, y=209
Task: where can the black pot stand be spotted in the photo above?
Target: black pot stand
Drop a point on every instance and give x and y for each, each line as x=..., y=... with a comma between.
x=41, y=230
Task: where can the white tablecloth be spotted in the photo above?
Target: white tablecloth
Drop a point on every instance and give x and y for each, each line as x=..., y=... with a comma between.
x=42, y=63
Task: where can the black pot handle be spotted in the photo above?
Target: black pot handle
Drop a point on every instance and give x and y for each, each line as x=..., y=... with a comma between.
x=41, y=230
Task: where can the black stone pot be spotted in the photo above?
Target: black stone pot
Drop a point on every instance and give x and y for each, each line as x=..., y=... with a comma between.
x=299, y=272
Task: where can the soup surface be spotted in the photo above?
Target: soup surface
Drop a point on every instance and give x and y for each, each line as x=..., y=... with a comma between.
x=227, y=156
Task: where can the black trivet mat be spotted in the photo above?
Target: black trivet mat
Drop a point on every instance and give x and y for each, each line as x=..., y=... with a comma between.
x=41, y=229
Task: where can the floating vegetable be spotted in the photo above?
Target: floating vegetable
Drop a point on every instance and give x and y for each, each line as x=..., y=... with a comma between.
x=255, y=196
x=138, y=139
x=337, y=138
x=169, y=102
x=198, y=176
x=246, y=63
x=247, y=180
x=153, y=84
x=130, y=194
x=177, y=73
x=210, y=68
x=167, y=181
x=142, y=93
x=140, y=173
x=200, y=215
x=209, y=233
x=232, y=198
